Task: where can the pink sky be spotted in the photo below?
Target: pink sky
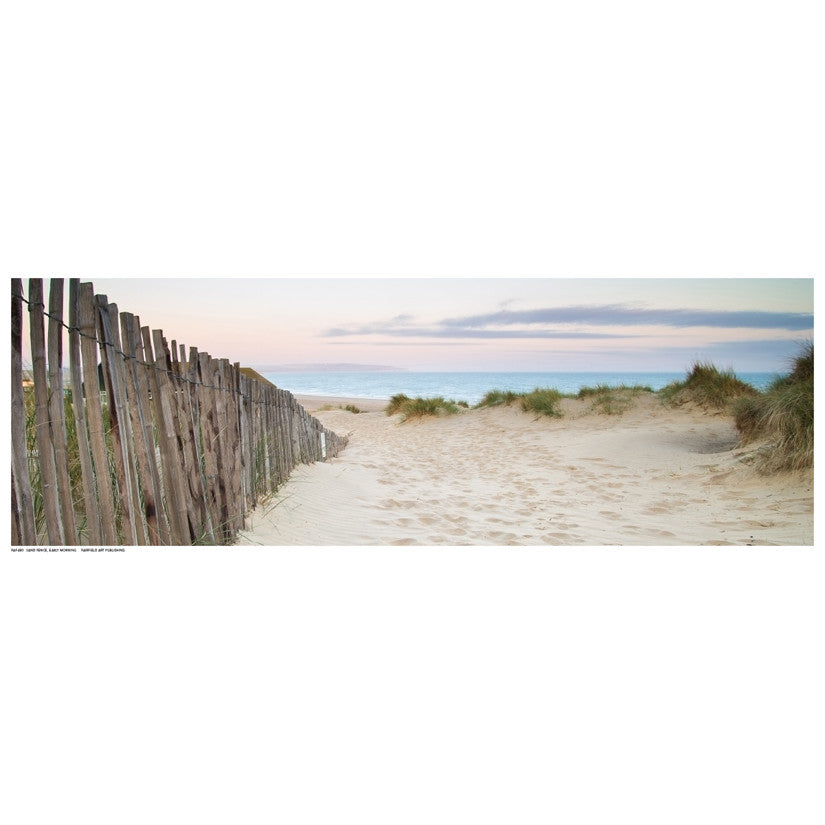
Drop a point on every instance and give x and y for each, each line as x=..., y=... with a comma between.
x=480, y=323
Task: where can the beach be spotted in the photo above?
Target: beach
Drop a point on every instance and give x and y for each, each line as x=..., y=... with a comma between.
x=654, y=475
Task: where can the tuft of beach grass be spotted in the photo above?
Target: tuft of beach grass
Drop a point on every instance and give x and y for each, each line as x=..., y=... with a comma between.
x=784, y=415
x=421, y=407
x=542, y=401
x=708, y=387
x=609, y=400
x=495, y=398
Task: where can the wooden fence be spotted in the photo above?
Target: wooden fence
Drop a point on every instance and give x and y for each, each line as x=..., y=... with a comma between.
x=146, y=444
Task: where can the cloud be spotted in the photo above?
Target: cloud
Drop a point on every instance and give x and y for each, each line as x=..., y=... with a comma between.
x=443, y=332
x=622, y=315
x=544, y=323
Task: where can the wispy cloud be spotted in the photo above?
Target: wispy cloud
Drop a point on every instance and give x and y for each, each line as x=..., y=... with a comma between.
x=546, y=323
x=623, y=315
x=446, y=332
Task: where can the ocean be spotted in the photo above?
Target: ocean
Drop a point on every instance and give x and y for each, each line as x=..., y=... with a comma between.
x=471, y=386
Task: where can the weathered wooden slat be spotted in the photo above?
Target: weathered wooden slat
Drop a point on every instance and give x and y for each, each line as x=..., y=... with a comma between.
x=172, y=366
x=194, y=494
x=57, y=411
x=238, y=466
x=15, y=515
x=120, y=456
x=193, y=388
x=254, y=466
x=145, y=376
x=306, y=435
x=115, y=366
x=233, y=447
x=272, y=436
x=265, y=443
x=209, y=434
x=279, y=436
x=280, y=424
x=45, y=452
x=90, y=497
x=143, y=440
x=94, y=411
x=149, y=381
x=121, y=363
x=243, y=437
x=264, y=440
x=23, y=504
x=169, y=395
x=167, y=439
x=224, y=455
x=301, y=452
x=287, y=434
x=257, y=446
x=247, y=435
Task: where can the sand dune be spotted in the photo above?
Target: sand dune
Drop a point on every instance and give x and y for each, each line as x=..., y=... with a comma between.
x=499, y=476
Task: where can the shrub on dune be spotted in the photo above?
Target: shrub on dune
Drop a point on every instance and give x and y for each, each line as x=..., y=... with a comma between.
x=542, y=401
x=396, y=403
x=605, y=399
x=707, y=386
x=783, y=414
x=495, y=398
x=602, y=389
x=420, y=407
x=612, y=400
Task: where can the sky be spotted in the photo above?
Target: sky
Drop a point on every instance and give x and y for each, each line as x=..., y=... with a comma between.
x=480, y=324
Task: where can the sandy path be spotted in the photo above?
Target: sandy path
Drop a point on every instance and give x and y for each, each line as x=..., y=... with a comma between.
x=653, y=476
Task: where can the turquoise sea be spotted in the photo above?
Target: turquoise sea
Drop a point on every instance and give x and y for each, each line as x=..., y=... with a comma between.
x=470, y=386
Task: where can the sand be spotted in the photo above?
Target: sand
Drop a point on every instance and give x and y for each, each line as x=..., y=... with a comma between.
x=651, y=476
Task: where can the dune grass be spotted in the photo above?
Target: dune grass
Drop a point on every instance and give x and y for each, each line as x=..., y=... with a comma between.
x=347, y=408
x=605, y=399
x=421, y=407
x=542, y=401
x=783, y=414
x=609, y=400
x=707, y=386
x=495, y=398
x=606, y=389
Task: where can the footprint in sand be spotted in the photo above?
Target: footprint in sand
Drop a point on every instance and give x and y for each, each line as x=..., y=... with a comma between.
x=406, y=505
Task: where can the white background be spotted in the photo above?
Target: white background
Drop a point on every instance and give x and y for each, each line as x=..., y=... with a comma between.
x=395, y=686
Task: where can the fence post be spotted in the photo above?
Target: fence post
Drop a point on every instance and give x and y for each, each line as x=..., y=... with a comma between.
x=57, y=410
x=222, y=437
x=119, y=420
x=234, y=452
x=137, y=395
x=21, y=483
x=45, y=452
x=94, y=412
x=168, y=440
x=199, y=437
x=196, y=505
x=90, y=498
